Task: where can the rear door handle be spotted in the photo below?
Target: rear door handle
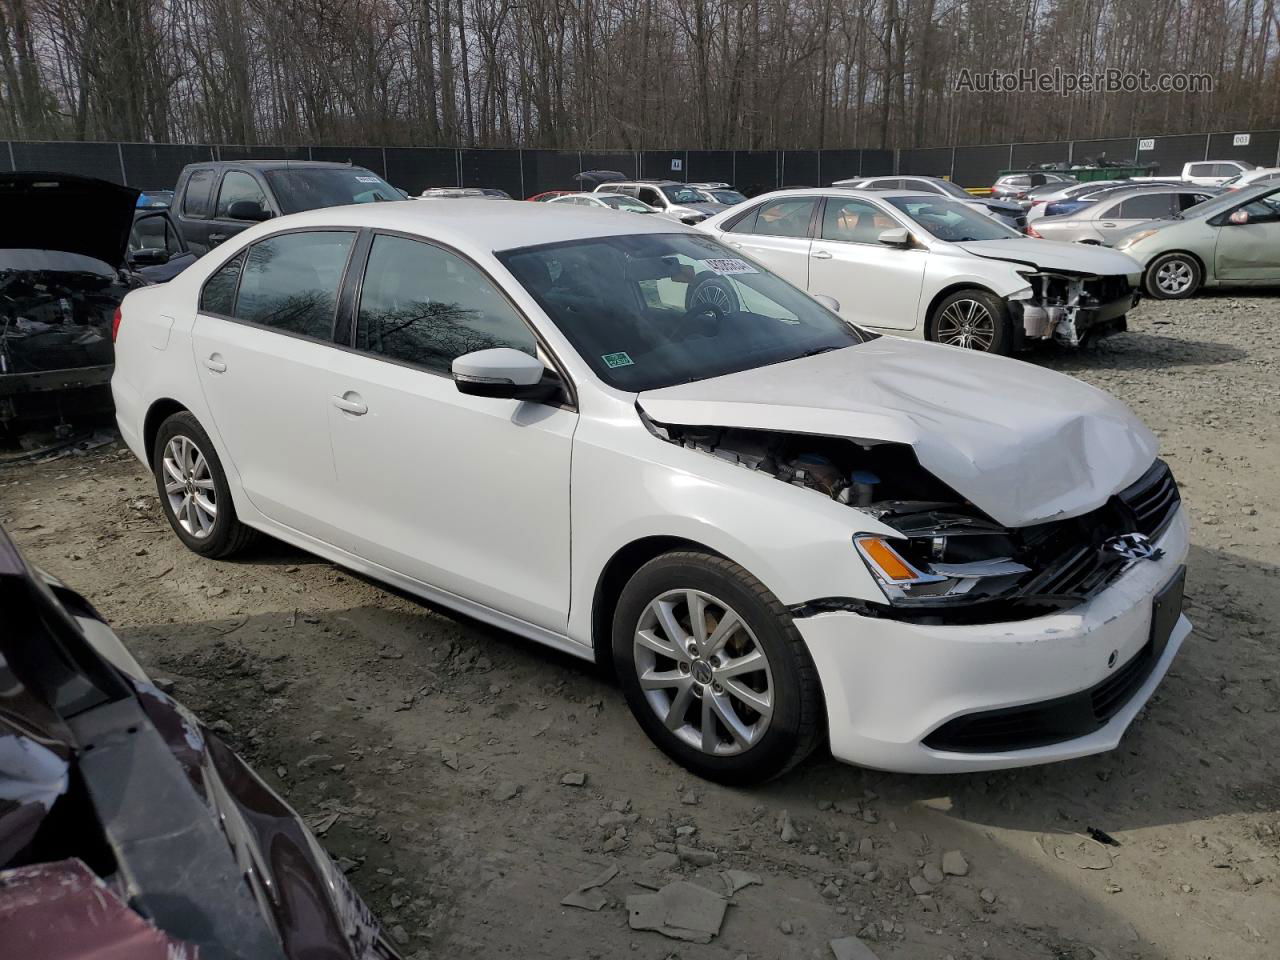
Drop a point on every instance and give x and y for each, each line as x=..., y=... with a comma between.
x=1106, y=224
x=820, y=255
x=216, y=238
x=216, y=364
x=351, y=403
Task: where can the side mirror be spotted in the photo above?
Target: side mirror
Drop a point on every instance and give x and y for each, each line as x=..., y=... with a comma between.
x=831, y=303
x=148, y=257
x=248, y=210
x=504, y=373
x=896, y=237
x=1240, y=216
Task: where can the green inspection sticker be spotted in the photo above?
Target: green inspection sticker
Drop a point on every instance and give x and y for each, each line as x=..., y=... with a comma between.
x=620, y=359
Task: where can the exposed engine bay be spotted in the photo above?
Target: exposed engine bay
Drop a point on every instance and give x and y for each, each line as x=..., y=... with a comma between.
x=961, y=566
x=56, y=319
x=1067, y=307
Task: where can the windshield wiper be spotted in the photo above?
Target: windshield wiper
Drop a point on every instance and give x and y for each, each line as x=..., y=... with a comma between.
x=815, y=351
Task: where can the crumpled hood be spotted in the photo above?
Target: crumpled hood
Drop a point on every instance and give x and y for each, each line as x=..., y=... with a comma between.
x=1055, y=255
x=1023, y=444
x=59, y=211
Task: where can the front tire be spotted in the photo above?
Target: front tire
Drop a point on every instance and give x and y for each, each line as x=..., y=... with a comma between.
x=714, y=669
x=193, y=490
x=973, y=319
x=1173, y=276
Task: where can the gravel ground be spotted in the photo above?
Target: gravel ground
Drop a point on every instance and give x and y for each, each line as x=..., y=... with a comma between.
x=443, y=746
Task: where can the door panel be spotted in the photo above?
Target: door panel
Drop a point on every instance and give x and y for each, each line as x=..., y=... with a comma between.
x=1249, y=251
x=266, y=374
x=877, y=285
x=777, y=233
x=268, y=394
x=467, y=494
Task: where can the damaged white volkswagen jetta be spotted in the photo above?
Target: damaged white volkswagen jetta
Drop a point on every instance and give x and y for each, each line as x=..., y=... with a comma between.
x=776, y=526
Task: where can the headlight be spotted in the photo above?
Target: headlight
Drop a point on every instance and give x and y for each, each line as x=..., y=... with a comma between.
x=907, y=575
x=1134, y=238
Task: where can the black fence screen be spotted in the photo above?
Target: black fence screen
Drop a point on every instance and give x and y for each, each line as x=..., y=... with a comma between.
x=523, y=173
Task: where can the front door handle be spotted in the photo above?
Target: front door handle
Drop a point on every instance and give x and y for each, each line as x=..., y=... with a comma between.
x=351, y=403
x=821, y=255
x=216, y=364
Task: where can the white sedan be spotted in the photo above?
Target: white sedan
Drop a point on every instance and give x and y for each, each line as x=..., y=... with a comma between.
x=605, y=201
x=922, y=265
x=777, y=527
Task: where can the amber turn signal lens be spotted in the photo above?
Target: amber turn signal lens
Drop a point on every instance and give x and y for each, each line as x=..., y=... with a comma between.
x=886, y=559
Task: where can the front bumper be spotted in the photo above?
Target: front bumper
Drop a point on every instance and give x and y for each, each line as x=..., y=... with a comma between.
x=890, y=684
x=44, y=394
x=1070, y=325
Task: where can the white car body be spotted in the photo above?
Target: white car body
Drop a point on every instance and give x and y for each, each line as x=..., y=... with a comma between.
x=598, y=200
x=671, y=198
x=897, y=289
x=513, y=512
x=1251, y=177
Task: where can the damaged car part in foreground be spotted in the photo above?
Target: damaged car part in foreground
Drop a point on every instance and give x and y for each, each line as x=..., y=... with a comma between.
x=779, y=523
x=121, y=814
x=949, y=562
x=59, y=290
x=1069, y=308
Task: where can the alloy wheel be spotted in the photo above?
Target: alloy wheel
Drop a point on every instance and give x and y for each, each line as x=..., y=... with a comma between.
x=1174, y=277
x=714, y=295
x=703, y=672
x=188, y=483
x=967, y=323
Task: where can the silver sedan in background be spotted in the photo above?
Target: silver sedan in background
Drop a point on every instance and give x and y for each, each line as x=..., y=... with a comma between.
x=1119, y=211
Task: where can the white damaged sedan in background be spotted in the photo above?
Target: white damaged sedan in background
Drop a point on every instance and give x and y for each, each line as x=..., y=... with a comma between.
x=921, y=265
x=776, y=527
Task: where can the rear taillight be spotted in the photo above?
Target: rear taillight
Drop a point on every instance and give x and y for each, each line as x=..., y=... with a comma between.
x=1036, y=203
x=115, y=324
x=1031, y=232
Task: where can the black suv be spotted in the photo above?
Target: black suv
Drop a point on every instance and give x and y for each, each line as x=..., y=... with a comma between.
x=216, y=200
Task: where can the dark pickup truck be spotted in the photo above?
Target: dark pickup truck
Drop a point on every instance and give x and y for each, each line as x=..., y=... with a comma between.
x=214, y=201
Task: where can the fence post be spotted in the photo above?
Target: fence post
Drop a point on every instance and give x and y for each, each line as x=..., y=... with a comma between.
x=124, y=177
x=520, y=160
x=1207, y=138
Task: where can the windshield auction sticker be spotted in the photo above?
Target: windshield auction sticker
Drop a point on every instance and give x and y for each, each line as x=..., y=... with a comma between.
x=729, y=265
x=619, y=359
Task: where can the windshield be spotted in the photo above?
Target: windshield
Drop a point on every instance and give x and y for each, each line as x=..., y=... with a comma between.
x=683, y=195
x=951, y=220
x=300, y=188
x=951, y=189
x=653, y=310
x=626, y=203
x=1268, y=202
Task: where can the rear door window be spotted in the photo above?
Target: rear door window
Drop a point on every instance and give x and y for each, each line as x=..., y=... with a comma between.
x=1148, y=206
x=786, y=217
x=195, y=201
x=291, y=281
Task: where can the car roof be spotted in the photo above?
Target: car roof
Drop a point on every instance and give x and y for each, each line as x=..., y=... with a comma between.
x=280, y=164
x=847, y=192
x=479, y=227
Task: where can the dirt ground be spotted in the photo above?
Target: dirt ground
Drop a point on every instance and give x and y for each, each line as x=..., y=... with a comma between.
x=441, y=744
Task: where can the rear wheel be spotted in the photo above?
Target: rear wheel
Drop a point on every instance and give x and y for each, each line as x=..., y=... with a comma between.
x=714, y=669
x=193, y=489
x=973, y=319
x=1173, y=276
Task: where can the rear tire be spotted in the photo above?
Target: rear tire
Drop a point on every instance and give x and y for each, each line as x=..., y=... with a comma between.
x=193, y=490
x=973, y=319
x=1173, y=276
x=744, y=705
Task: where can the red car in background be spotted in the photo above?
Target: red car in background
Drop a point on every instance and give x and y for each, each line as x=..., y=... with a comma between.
x=549, y=195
